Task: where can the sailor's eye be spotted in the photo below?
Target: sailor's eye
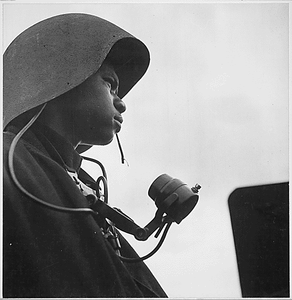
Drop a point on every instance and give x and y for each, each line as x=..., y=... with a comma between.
x=113, y=85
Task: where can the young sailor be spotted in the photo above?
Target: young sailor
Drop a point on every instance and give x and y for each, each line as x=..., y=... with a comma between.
x=64, y=81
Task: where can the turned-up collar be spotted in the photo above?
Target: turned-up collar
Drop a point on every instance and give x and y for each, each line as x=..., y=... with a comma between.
x=56, y=146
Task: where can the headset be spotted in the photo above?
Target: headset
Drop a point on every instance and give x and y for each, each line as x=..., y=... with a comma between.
x=173, y=198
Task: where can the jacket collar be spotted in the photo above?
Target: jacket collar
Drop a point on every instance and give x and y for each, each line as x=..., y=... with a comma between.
x=55, y=145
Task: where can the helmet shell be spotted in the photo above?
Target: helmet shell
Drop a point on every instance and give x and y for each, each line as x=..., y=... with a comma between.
x=59, y=53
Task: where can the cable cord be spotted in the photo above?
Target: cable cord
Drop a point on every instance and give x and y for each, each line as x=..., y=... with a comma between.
x=123, y=160
x=97, y=162
x=134, y=260
x=102, y=178
x=18, y=184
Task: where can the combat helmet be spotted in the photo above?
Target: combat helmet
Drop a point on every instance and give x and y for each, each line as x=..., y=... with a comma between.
x=59, y=53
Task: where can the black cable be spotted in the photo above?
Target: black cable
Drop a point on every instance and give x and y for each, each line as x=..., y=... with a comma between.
x=21, y=188
x=134, y=260
x=97, y=162
x=102, y=178
x=105, y=187
x=121, y=151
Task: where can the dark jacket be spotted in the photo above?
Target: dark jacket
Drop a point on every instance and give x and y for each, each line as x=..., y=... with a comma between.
x=48, y=253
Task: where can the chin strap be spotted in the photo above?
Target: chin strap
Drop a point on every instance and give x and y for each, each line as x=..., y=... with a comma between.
x=121, y=151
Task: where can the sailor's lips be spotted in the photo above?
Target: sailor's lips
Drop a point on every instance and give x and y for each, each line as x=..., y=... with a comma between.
x=118, y=120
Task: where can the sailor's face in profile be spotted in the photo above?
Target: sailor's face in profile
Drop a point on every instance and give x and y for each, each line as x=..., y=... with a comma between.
x=95, y=108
